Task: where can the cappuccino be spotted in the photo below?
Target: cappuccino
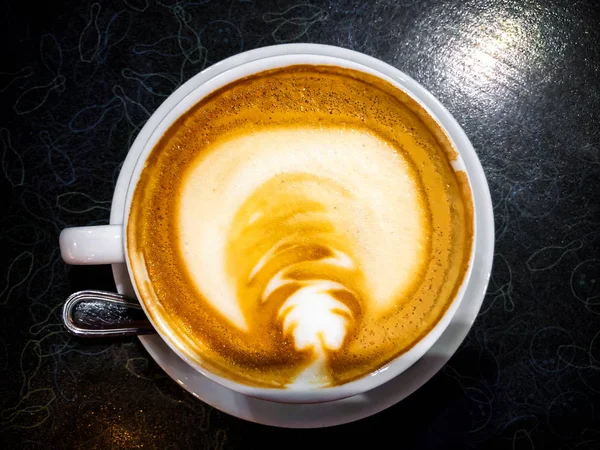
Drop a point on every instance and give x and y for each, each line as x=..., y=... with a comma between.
x=300, y=227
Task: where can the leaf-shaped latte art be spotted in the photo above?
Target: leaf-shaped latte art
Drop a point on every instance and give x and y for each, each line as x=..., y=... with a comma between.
x=311, y=241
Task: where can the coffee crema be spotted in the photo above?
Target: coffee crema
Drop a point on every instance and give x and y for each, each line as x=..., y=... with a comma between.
x=300, y=227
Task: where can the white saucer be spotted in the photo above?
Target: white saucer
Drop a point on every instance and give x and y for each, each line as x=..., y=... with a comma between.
x=360, y=406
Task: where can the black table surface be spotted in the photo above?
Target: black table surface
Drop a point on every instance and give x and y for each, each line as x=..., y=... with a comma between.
x=79, y=79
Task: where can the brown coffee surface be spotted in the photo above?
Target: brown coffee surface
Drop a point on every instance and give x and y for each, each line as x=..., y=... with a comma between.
x=303, y=223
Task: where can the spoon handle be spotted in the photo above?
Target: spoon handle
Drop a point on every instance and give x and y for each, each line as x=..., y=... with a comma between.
x=104, y=314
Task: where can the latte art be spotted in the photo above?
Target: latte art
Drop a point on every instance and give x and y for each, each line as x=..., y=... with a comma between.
x=304, y=235
x=303, y=226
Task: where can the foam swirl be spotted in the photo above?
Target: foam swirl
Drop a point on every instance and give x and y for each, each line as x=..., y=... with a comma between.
x=313, y=230
x=310, y=270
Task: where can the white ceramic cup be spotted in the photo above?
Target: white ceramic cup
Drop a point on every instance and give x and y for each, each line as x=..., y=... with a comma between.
x=105, y=244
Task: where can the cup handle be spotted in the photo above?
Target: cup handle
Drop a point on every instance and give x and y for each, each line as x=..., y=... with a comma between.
x=101, y=244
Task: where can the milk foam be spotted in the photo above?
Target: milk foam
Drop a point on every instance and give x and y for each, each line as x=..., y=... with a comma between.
x=302, y=226
x=368, y=215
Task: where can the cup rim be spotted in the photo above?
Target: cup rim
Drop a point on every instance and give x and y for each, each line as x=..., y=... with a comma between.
x=232, y=69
